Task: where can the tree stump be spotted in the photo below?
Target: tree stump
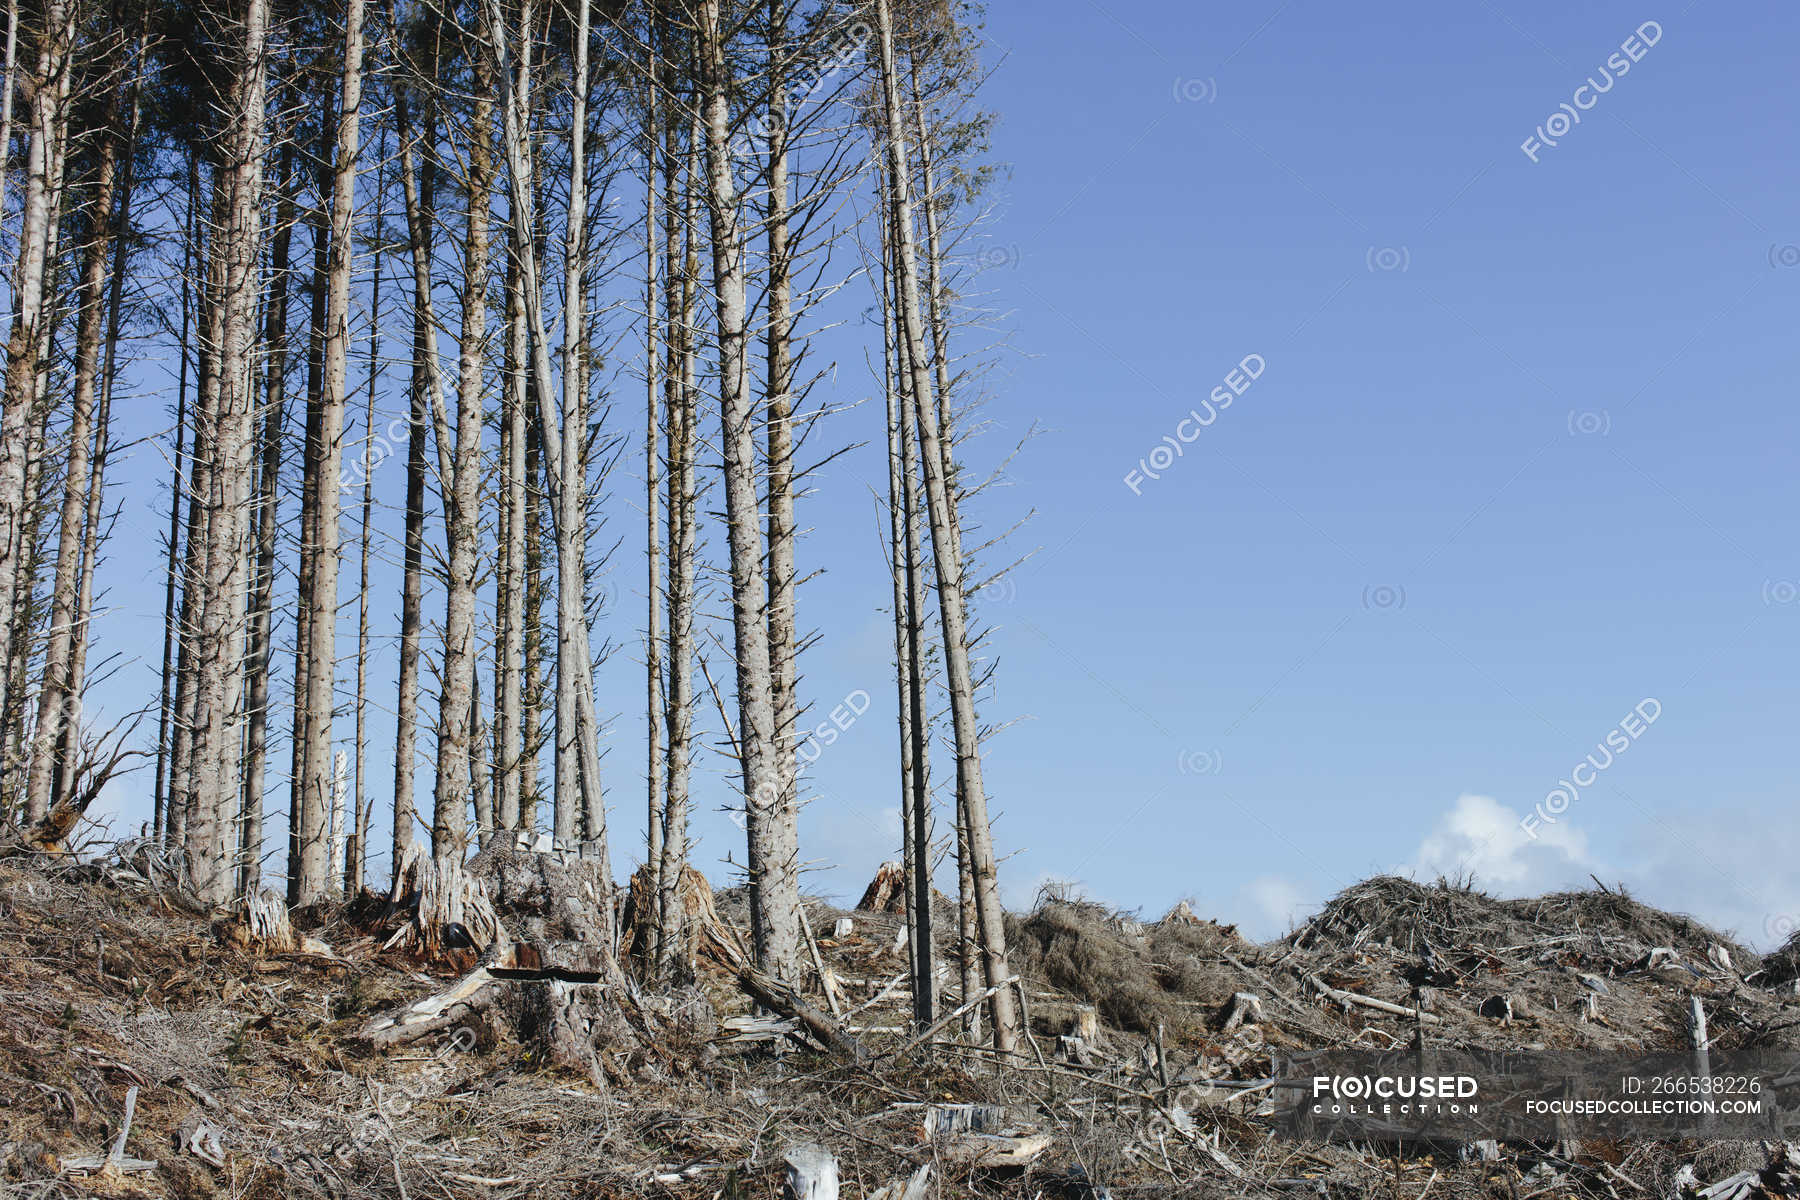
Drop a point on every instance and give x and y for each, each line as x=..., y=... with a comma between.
x=812, y=1173
x=703, y=934
x=886, y=892
x=453, y=918
x=546, y=974
x=266, y=926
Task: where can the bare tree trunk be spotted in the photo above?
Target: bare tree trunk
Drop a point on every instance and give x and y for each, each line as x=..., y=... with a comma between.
x=319, y=607
x=200, y=473
x=680, y=401
x=653, y=419
x=478, y=765
x=10, y=83
x=421, y=214
x=268, y=504
x=1003, y=1006
x=903, y=662
x=778, y=384
x=223, y=625
x=574, y=697
x=357, y=864
x=308, y=814
x=167, y=727
x=56, y=700
x=24, y=352
x=509, y=752
x=968, y=952
x=449, y=830
x=118, y=232
x=29, y=610
x=532, y=733
x=564, y=442
x=770, y=820
x=909, y=616
x=919, y=814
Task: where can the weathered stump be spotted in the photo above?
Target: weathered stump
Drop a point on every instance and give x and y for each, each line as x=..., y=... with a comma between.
x=886, y=892
x=702, y=933
x=546, y=973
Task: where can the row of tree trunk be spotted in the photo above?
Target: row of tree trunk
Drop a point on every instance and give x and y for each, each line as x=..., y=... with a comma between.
x=503, y=124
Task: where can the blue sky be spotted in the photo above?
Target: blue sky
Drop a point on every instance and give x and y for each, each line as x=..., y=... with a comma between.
x=1520, y=456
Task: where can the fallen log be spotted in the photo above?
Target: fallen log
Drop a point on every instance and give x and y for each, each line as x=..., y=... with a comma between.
x=422, y=1019
x=994, y=1151
x=774, y=994
x=1349, y=998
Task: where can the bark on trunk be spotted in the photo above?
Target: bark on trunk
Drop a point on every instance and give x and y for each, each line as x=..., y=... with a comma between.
x=223, y=624
x=320, y=606
x=531, y=733
x=779, y=433
x=653, y=420
x=268, y=491
x=773, y=853
x=307, y=813
x=680, y=399
x=356, y=866
x=201, y=414
x=168, y=730
x=422, y=227
x=58, y=703
x=951, y=601
x=564, y=440
x=510, y=602
x=968, y=953
x=449, y=830
x=49, y=94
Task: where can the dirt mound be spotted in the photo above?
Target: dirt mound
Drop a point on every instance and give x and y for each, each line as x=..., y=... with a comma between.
x=1613, y=916
x=1171, y=974
x=1781, y=969
x=1410, y=917
x=1389, y=910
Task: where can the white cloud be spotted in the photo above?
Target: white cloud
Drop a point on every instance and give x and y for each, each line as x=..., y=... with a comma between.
x=1481, y=837
x=1691, y=869
x=1279, y=904
x=1724, y=871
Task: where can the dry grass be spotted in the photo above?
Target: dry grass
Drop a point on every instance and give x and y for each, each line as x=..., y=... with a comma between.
x=105, y=985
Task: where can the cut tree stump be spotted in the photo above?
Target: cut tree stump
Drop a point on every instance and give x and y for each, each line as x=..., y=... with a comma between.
x=886, y=893
x=812, y=1173
x=265, y=927
x=704, y=934
x=546, y=974
x=1245, y=1009
x=453, y=917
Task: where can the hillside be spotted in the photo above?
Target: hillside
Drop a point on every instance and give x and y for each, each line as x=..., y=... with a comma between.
x=255, y=1072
